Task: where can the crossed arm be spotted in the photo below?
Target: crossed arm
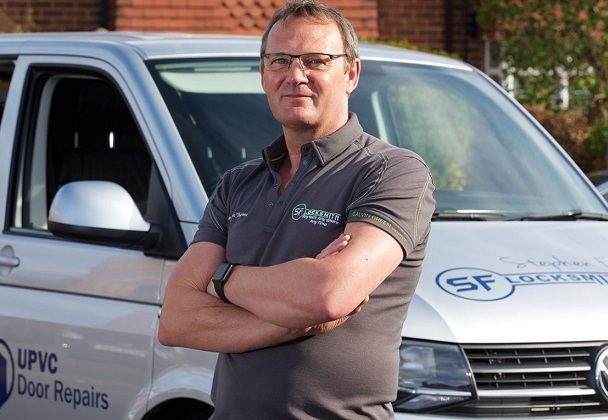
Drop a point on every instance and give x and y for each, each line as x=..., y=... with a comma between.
x=274, y=304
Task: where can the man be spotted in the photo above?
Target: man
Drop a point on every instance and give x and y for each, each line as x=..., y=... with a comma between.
x=329, y=217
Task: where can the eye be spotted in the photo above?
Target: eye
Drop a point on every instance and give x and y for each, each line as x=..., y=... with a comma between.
x=314, y=61
x=280, y=61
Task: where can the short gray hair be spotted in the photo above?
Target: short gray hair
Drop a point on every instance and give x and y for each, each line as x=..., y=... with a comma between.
x=314, y=10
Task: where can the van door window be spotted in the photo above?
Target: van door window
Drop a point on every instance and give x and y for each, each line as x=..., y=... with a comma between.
x=6, y=71
x=92, y=136
x=78, y=129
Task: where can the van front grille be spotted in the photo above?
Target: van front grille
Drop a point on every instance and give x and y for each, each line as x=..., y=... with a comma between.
x=533, y=380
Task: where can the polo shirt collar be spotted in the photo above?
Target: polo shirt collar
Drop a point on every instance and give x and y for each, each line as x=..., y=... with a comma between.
x=273, y=155
x=333, y=145
x=326, y=148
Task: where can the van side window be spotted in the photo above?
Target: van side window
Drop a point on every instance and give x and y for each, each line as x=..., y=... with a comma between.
x=6, y=71
x=77, y=127
x=92, y=136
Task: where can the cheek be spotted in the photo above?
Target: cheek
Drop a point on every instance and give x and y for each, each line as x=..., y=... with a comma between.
x=330, y=83
x=270, y=84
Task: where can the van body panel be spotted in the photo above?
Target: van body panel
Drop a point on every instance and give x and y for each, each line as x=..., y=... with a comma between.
x=88, y=359
x=523, y=272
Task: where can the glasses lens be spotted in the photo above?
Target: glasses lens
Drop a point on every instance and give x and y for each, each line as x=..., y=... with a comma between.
x=315, y=61
x=277, y=62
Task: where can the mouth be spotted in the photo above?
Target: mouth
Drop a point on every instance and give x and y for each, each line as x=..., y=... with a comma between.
x=296, y=96
x=298, y=99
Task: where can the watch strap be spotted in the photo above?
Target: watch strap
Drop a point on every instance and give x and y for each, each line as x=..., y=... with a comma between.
x=220, y=278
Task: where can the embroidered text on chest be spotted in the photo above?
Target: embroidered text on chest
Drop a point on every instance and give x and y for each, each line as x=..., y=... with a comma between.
x=237, y=215
x=314, y=216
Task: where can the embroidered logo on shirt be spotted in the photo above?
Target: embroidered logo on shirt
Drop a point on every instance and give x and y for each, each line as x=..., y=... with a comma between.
x=237, y=215
x=383, y=222
x=314, y=216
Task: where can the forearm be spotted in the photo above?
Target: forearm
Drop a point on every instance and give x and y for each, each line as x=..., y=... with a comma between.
x=192, y=318
x=309, y=291
x=282, y=294
x=203, y=322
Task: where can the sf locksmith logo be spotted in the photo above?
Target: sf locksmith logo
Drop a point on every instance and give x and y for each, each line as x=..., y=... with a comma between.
x=34, y=374
x=7, y=372
x=315, y=217
x=485, y=285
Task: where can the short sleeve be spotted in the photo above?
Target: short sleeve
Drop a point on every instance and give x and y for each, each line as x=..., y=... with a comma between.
x=397, y=197
x=213, y=225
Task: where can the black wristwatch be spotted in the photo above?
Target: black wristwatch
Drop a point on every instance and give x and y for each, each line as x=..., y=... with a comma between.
x=220, y=278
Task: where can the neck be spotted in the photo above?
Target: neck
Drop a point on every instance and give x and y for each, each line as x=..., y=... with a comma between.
x=294, y=142
x=302, y=132
x=288, y=169
x=295, y=138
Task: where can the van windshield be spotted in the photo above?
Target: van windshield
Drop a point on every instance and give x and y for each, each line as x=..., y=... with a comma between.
x=486, y=157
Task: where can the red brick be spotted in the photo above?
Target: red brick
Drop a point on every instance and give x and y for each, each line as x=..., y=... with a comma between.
x=237, y=12
x=198, y=4
x=419, y=21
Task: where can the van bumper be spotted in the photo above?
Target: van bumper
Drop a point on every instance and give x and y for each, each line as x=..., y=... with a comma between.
x=412, y=416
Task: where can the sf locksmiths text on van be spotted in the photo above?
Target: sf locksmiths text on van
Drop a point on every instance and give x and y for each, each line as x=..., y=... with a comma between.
x=110, y=144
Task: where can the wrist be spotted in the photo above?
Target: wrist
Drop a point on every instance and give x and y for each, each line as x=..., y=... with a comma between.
x=220, y=278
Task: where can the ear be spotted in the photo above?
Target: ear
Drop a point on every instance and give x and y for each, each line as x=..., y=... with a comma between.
x=353, y=76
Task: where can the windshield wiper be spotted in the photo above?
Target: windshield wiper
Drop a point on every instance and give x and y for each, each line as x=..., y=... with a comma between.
x=472, y=215
x=469, y=215
x=565, y=215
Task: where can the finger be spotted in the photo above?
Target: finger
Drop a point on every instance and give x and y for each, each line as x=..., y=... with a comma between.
x=326, y=326
x=330, y=251
x=337, y=243
x=361, y=305
x=334, y=247
x=211, y=289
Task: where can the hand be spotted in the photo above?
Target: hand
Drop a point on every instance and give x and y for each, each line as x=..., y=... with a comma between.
x=211, y=289
x=335, y=247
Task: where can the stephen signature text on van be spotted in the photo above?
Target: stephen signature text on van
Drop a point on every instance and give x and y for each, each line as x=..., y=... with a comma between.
x=555, y=262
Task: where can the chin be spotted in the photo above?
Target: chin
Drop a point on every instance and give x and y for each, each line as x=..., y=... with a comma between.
x=300, y=120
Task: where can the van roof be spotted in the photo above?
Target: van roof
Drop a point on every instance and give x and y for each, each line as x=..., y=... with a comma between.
x=150, y=45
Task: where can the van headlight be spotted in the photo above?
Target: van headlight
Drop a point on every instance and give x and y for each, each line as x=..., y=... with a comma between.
x=432, y=376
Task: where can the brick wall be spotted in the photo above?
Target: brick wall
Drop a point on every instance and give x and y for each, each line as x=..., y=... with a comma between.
x=225, y=16
x=421, y=22
x=429, y=24
x=418, y=21
x=467, y=40
x=50, y=15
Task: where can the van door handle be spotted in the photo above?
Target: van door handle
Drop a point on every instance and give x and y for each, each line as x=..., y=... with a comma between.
x=9, y=261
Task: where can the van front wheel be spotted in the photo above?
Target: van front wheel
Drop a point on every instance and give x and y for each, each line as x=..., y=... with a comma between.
x=180, y=409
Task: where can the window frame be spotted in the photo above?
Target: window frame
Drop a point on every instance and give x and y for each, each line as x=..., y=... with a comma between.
x=32, y=147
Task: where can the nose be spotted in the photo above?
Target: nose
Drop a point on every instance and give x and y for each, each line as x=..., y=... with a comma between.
x=298, y=60
x=298, y=72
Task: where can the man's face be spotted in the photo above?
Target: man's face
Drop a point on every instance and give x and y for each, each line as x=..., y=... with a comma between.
x=309, y=99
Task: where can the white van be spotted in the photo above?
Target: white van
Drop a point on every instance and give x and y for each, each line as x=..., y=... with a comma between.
x=110, y=145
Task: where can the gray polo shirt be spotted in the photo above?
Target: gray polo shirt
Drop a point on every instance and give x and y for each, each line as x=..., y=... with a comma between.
x=349, y=176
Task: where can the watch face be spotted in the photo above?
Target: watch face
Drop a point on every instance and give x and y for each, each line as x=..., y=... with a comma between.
x=227, y=269
x=219, y=279
x=222, y=271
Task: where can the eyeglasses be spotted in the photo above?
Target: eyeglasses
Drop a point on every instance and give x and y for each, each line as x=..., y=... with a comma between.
x=311, y=61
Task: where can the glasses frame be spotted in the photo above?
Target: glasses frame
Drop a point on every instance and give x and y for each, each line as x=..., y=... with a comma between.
x=297, y=57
